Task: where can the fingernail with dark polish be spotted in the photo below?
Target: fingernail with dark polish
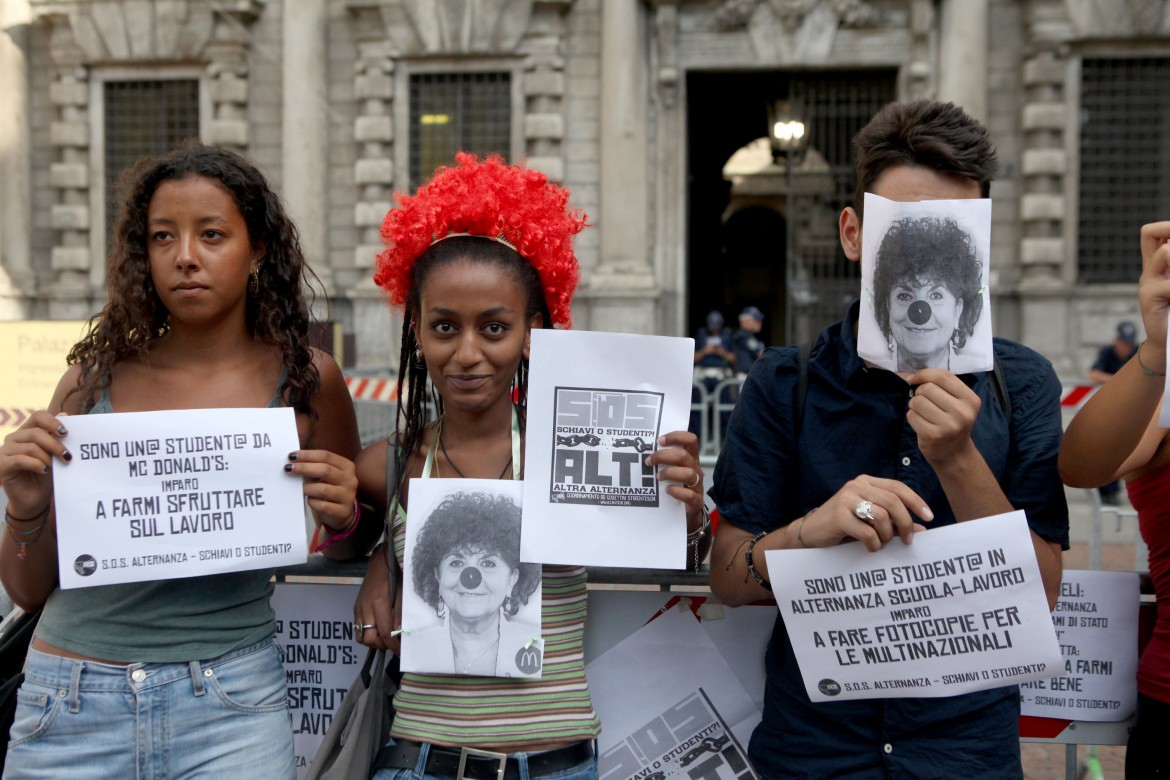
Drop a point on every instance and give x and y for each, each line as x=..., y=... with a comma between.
x=61, y=430
x=67, y=456
x=288, y=467
x=292, y=456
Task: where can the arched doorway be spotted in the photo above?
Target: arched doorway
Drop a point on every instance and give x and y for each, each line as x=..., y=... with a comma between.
x=726, y=111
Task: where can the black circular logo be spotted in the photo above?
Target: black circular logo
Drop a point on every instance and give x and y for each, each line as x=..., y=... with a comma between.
x=829, y=687
x=528, y=659
x=85, y=565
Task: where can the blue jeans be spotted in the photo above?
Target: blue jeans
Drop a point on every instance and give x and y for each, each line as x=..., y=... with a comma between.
x=583, y=771
x=226, y=717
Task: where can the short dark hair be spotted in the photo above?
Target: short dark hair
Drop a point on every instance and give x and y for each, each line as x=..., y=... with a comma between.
x=927, y=133
x=920, y=249
x=480, y=522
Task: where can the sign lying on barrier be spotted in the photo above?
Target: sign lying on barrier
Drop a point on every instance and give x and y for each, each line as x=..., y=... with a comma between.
x=1096, y=623
x=321, y=660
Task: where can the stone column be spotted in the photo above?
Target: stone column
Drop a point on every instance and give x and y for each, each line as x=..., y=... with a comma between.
x=622, y=290
x=304, y=129
x=963, y=54
x=17, y=280
x=375, y=324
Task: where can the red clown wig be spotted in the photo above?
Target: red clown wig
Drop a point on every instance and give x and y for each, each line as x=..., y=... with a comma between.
x=508, y=203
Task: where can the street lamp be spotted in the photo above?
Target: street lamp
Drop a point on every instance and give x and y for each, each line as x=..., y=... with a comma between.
x=788, y=134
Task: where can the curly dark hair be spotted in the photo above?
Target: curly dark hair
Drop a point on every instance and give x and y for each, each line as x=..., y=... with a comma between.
x=475, y=522
x=134, y=315
x=922, y=249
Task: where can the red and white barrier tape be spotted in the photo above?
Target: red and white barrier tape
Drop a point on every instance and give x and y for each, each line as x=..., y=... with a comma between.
x=364, y=388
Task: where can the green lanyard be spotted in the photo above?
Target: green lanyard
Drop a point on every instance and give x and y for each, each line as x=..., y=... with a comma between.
x=429, y=465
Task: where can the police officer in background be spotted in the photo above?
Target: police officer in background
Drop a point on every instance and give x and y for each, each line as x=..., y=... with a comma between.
x=746, y=341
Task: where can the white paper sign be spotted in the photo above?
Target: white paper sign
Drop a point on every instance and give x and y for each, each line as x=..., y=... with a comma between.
x=925, y=301
x=321, y=658
x=469, y=606
x=597, y=403
x=669, y=713
x=1096, y=623
x=961, y=609
x=161, y=495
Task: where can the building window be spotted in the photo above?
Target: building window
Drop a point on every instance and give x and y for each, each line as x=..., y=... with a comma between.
x=453, y=112
x=144, y=118
x=1125, y=154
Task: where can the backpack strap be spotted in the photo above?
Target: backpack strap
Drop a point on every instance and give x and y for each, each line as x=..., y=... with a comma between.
x=803, y=357
x=1001, y=390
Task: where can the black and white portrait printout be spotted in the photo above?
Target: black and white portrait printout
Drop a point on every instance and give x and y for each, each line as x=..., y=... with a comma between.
x=469, y=606
x=961, y=609
x=597, y=404
x=160, y=495
x=925, y=301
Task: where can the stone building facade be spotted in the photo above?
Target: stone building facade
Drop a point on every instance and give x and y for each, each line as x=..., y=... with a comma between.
x=623, y=101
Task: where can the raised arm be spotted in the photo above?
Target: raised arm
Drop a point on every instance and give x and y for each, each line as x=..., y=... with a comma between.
x=1110, y=436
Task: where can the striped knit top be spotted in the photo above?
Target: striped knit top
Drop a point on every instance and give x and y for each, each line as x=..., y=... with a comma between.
x=508, y=714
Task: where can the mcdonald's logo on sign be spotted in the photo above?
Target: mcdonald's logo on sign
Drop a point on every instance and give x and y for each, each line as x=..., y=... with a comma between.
x=528, y=659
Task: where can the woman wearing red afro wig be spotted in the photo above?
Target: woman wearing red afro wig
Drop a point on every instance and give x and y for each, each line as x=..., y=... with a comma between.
x=480, y=256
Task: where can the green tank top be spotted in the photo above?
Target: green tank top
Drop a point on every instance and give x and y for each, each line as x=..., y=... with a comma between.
x=165, y=621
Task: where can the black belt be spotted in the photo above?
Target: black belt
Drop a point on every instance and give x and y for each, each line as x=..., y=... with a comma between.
x=482, y=764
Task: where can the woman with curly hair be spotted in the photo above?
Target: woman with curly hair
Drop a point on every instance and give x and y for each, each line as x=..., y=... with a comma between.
x=480, y=256
x=206, y=309
x=927, y=292
x=466, y=567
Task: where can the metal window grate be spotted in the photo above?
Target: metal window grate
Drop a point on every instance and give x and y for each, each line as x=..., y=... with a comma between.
x=1125, y=154
x=838, y=105
x=453, y=112
x=144, y=118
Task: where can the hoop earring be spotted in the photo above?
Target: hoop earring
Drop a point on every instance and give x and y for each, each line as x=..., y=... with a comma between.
x=417, y=360
x=254, y=282
x=890, y=343
x=955, y=338
x=510, y=606
x=441, y=610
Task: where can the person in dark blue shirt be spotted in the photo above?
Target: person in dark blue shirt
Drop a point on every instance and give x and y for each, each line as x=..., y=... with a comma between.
x=927, y=449
x=746, y=340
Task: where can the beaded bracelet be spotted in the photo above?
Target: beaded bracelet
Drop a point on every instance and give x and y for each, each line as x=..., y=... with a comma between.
x=747, y=556
x=331, y=536
x=1145, y=370
x=23, y=543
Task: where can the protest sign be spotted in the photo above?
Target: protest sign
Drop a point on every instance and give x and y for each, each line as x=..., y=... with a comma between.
x=1096, y=623
x=597, y=403
x=320, y=658
x=468, y=605
x=159, y=495
x=961, y=609
x=671, y=714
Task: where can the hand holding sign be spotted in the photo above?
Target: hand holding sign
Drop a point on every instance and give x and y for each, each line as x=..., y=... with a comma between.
x=892, y=504
x=26, y=459
x=158, y=495
x=330, y=485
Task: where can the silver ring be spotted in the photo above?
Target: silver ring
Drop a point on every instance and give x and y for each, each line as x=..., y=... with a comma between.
x=697, y=478
x=358, y=627
x=864, y=511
